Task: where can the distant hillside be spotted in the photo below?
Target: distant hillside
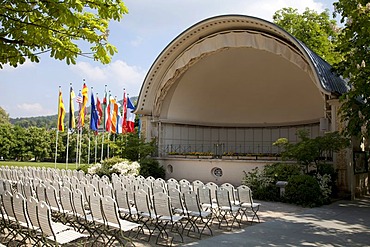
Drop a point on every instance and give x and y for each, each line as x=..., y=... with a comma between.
x=49, y=122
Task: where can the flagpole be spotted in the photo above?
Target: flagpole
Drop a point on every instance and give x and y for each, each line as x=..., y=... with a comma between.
x=102, y=145
x=56, y=149
x=88, y=150
x=96, y=147
x=77, y=141
x=67, y=148
x=108, y=145
x=79, y=154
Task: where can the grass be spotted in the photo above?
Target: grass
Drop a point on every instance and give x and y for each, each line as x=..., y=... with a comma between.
x=71, y=166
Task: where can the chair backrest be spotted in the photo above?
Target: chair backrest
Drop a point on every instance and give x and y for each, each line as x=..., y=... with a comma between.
x=2, y=187
x=185, y=187
x=142, y=202
x=162, y=204
x=89, y=190
x=28, y=190
x=32, y=211
x=19, y=207
x=78, y=203
x=19, y=186
x=160, y=183
x=222, y=196
x=184, y=181
x=230, y=188
x=44, y=217
x=8, y=203
x=95, y=206
x=197, y=184
x=41, y=192
x=122, y=198
x=8, y=185
x=172, y=183
x=176, y=199
x=191, y=201
x=66, y=199
x=102, y=184
x=158, y=188
x=107, y=190
x=204, y=195
x=244, y=194
x=110, y=210
x=75, y=182
x=52, y=197
x=213, y=187
x=130, y=187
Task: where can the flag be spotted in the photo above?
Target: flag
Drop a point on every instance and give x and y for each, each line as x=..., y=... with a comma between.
x=84, y=103
x=124, y=114
x=79, y=101
x=94, y=118
x=107, y=119
x=61, y=112
x=99, y=108
x=130, y=116
x=114, y=115
x=119, y=119
x=72, y=121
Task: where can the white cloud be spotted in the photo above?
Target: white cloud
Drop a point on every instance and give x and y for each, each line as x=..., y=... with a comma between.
x=117, y=75
x=33, y=109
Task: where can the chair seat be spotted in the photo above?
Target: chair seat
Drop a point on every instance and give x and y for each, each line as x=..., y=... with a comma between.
x=67, y=236
x=125, y=225
x=59, y=227
x=253, y=205
x=232, y=208
x=175, y=218
x=203, y=214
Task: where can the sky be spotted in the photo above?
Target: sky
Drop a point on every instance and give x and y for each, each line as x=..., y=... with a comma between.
x=31, y=89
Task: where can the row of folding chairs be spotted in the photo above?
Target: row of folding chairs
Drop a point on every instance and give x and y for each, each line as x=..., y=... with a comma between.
x=208, y=199
x=15, y=173
x=29, y=222
x=24, y=222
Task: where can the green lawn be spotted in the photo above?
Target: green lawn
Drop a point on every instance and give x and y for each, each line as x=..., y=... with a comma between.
x=38, y=164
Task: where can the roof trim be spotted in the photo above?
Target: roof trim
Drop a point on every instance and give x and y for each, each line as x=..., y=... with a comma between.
x=150, y=93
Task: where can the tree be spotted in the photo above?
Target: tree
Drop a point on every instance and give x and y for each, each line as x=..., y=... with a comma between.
x=6, y=140
x=38, y=143
x=311, y=151
x=316, y=30
x=29, y=28
x=354, y=44
x=4, y=117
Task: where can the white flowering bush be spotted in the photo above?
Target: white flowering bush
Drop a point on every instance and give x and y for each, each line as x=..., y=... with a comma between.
x=126, y=167
x=115, y=165
x=94, y=168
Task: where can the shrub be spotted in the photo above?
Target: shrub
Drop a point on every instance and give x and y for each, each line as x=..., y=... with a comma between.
x=83, y=168
x=114, y=165
x=151, y=167
x=303, y=190
x=263, y=186
x=282, y=171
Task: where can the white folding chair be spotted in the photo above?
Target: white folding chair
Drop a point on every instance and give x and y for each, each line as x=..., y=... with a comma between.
x=197, y=217
x=246, y=201
x=51, y=233
x=225, y=208
x=116, y=227
x=165, y=217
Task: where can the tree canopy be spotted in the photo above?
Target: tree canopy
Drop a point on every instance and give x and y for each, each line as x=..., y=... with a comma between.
x=31, y=27
x=4, y=116
x=354, y=44
x=316, y=30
